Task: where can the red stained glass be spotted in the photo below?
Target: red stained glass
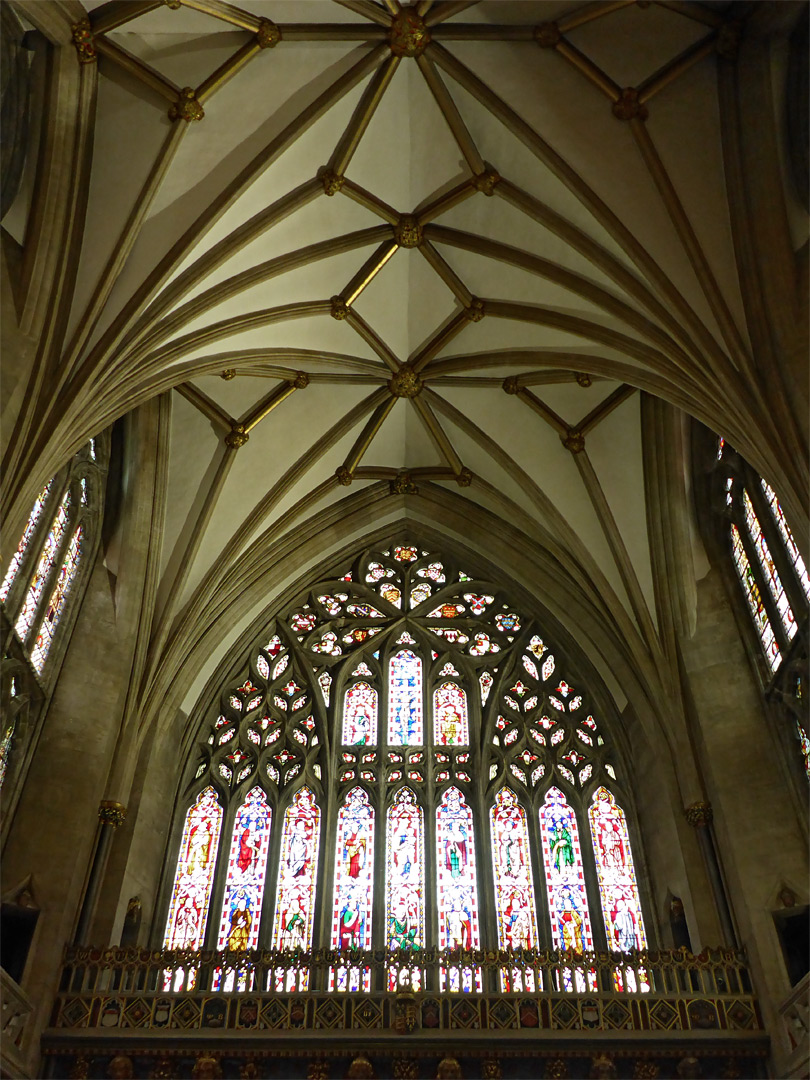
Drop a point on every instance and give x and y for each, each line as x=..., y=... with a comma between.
x=188, y=911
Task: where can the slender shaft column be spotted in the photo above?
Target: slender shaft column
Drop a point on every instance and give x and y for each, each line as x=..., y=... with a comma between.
x=700, y=816
x=110, y=815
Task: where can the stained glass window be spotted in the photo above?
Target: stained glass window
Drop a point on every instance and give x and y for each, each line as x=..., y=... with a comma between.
x=514, y=884
x=405, y=699
x=457, y=886
x=25, y=540
x=405, y=880
x=53, y=612
x=752, y=595
x=360, y=715
x=787, y=537
x=5, y=750
x=771, y=574
x=354, y=886
x=188, y=911
x=565, y=876
x=450, y=725
x=618, y=890
x=297, y=878
x=44, y=566
x=804, y=741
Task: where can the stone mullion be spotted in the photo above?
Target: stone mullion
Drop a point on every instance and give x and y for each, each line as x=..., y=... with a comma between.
x=22, y=579
x=589, y=871
x=738, y=517
x=217, y=894
x=784, y=565
x=324, y=880
x=74, y=516
x=538, y=875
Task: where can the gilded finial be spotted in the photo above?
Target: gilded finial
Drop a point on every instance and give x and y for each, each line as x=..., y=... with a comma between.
x=409, y=35
x=547, y=35
x=583, y=378
x=332, y=183
x=476, y=311
x=405, y=383
x=629, y=107
x=408, y=231
x=301, y=380
x=268, y=35
x=236, y=437
x=187, y=107
x=343, y=475
x=574, y=441
x=82, y=33
x=511, y=384
x=340, y=309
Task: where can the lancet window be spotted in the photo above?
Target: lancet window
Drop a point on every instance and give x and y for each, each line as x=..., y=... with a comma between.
x=406, y=764
x=775, y=586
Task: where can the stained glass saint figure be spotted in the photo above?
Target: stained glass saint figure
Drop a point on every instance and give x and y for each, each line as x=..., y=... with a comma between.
x=457, y=887
x=514, y=886
x=297, y=873
x=360, y=715
x=25, y=540
x=53, y=612
x=354, y=885
x=43, y=569
x=405, y=699
x=450, y=725
x=405, y=881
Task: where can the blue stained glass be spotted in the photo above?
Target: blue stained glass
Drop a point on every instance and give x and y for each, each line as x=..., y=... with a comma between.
x=405, y=699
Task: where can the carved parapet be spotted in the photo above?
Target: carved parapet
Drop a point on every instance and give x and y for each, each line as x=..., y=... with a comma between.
x=699, y=814
x=409, y=36
x=112, y=813
x=629, y=107
x=268, y=35
x=187, y=107
x=83, y=40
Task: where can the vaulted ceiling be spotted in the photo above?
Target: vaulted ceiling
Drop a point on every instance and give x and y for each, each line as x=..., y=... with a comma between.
x=438, y=247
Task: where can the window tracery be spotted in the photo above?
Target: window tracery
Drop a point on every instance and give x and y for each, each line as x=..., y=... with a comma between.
x=431, y=714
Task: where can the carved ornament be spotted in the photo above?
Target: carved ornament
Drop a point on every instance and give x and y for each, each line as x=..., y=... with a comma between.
x=448, y=1069
x=301, y=380
x=318, y=1070
x=120, y=1068
x=187, y=107
x=646, y=1070
x=405, y=383
x=332, y=183
x=574, y=441
x=173, y=4
x=511, y=384
x=584, y=379
x=268, y=35
x=557, y=1069
x=409, y=35
x=236, y=437
x=406, y=1017
x=491, y=1069
x=112, y=813
x=465, y=477
x=83, y=40
x=699, y=814
x=547, y=35
x=408, y=231
x=340, y=309
x=406, y=1069
x=628, y=107
x=486, y=181
x=228, y=374
x=403, y=484
x=476, y=311
x=361, y=1069
x=206, y=1067
x=343, y=475
x=603, y=1068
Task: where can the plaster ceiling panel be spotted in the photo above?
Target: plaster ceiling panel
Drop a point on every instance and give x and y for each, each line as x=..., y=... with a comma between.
x=615, y=450
x=186, y=58
x=406, y=153
x=538, y=450
x=115, y=179
x=384, y=303
x=573, y=402
x=577, y=121
x=237, y=395
x=632, y=43
x=499, y=333
x=193, y=444
x=431, y=302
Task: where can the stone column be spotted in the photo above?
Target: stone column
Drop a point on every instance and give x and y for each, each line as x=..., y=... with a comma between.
x=110, y=815
x=700, y=817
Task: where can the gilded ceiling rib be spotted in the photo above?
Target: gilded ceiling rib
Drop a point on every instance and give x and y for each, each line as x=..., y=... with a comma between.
x=440, y=205
x=206, y=405
x=142, y=71
x=226, y=70
x=589, y=69
x=437, y=433
x=373, y=339
x=272, y=400
x=368, y=10
x=371, y=201
x=697, y=12
x=677, y=67
x=438, y=340
x=589, y=12
x=112, y=15
x=544, y=411
x=604, y=408
x=441, y=11
x=369, y=270
x=446, y=273
x=363, y=441
x=361, y=117
x=226, y=12
x=450, y=112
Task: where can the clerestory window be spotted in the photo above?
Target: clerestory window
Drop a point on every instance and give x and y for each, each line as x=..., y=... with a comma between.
x=406, y=763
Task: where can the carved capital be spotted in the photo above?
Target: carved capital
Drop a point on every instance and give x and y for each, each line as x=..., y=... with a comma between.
x=332, y=183
x=728, y=39
x=228, y=374
x=187, y=107
x=409, y=35
x=699, y=814
x=405, y=383
x=403, y=484
x=83, y=40
x=574, y=441
x=236, y=437
x=476, y=311
x=112, y=813
x=486, y=181
x=268, y=35
x=547, y=35
x=511, y=384
x=465, y=477
x=340, y=309
x=583, y=378
x=301, y=380
x=408, y=231
x=343, y=475
x=628, y=107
